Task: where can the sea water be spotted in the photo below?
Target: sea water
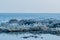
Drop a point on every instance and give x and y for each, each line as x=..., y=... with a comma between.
x=27, y=36
x=8, y=16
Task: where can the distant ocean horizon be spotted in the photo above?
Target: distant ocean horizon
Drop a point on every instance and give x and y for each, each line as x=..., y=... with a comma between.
x=8, y=16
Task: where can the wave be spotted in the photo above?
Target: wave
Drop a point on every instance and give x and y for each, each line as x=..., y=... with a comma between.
x=27, y=25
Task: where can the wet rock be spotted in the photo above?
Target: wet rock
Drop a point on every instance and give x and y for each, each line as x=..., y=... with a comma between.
x=13, y=21
x=21, y=22
x=33, y=36
x=26, y=37
x=41, y=37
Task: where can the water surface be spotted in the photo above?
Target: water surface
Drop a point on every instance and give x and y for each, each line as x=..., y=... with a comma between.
x=27, y=36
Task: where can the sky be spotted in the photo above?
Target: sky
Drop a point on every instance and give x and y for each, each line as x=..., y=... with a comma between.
x=29, y=6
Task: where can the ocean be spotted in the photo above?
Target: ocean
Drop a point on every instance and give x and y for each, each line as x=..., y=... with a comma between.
x=8, y=16
x=28, y=36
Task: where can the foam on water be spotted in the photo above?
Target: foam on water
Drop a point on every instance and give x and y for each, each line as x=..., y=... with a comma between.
x=5, y=36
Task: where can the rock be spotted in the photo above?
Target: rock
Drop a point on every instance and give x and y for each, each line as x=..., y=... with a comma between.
x=26, y=37
x=41, y=37
x=21, y=22
x=13, y=21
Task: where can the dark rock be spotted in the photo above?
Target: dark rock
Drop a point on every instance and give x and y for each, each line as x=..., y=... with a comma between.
x=41, y=37
x=26, y=37
x=21, y=22
x=13, y=21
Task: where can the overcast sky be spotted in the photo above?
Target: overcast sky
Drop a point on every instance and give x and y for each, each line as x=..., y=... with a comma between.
x=30, y=6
